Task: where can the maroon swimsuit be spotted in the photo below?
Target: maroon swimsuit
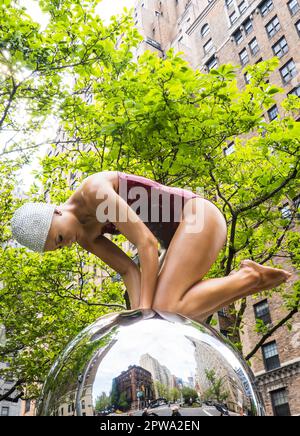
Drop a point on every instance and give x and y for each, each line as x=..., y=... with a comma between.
x=157, y=200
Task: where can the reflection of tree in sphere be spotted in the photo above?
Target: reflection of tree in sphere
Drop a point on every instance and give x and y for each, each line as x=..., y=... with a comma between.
x=126, y=362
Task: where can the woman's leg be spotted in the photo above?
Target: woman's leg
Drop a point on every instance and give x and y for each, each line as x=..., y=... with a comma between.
x=208, y=296
x=189, y=258
x=190, y=255
x=268, y=279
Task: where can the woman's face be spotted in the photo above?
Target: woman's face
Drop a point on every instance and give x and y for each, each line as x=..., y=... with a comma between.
x=63, y=231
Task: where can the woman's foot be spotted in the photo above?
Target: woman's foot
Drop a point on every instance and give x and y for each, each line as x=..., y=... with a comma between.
x=268, y=278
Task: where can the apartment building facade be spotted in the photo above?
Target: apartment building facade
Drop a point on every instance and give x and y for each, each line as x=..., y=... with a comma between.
x=8, y=408
x=209, y=33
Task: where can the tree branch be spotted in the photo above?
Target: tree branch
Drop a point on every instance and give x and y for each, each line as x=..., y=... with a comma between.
x=279, y=240
x=7, y=395
x=270, y=194
x=271, y=331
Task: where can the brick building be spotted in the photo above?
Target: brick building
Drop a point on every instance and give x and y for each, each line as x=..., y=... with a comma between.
x=241, y=32
x=136, y=385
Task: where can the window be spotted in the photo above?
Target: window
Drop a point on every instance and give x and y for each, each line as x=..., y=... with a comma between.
x=295, y=91
x=293, y=6
x=280, y=402
x=153, y=43
x=286, y=211
x=288, y=71
x=262, y=312
x=248, y=26
x=244, y=57
x=247, y=78
x=233, y=17
x=243, y=6
x=281, y=47
x=27, y=406
x=298, y=27
x=205, y=30
x=266, y=7
x=222, y=312
x=5, y=411
x=228, y=3
x=116, y=278
x=238, y=37
x=273, y=27
x=208, y=46
x=89, y=99
x=225, y=333
x=74, y=185
x=270, y=354
x=273, y=113
x=296, y=203
x=229, y=149
x=83, y=404
x=212, y=63
x=254, y=47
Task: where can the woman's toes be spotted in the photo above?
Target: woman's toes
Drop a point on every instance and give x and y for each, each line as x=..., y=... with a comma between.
x=289, y=276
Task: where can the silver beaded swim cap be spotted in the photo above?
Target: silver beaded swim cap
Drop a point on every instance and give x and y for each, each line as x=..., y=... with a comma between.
x=30, y=224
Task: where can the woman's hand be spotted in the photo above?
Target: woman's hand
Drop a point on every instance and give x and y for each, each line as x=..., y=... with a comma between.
x=141, y=287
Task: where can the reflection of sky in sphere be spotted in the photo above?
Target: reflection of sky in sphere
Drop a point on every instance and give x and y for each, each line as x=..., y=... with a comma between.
x=163, y=341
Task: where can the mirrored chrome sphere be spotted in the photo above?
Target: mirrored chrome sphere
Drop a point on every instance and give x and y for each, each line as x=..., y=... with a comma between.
x=127, y=362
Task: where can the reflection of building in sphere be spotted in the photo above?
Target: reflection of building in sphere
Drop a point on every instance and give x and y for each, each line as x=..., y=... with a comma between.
x=209, y=359
x=69, y=404
x=191, y=383
x=160, y=373
x=86, y=405
x=134, y=387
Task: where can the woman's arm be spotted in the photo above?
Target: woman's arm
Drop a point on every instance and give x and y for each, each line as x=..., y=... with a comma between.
x=132, y=280
x=97, y=191
x=114, y=257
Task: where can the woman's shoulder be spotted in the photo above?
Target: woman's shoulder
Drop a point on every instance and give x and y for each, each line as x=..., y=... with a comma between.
x=109, y=176
x=100, y=181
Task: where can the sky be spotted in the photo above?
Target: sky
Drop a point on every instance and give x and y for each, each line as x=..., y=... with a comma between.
x=105, y=9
